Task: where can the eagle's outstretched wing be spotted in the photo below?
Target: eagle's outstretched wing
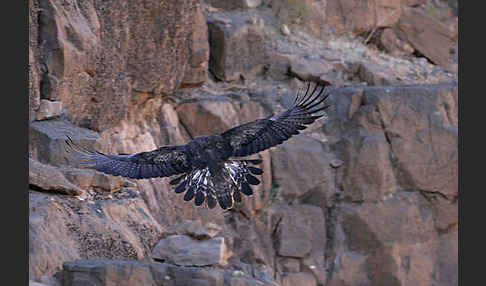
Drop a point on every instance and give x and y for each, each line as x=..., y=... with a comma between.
x=261, y=134
x=162, y=162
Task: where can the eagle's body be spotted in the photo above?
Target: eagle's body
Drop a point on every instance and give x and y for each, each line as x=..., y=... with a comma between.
x=204, y=165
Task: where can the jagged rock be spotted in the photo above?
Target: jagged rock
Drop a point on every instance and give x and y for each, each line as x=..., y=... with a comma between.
x=237, y=46
x=235, y=4
x=64, y=229
x=426, y=35
x=47, y=140
x=43, y=177
x=186, y=251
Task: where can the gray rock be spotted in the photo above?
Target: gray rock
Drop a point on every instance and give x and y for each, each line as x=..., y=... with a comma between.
x=187, y=251
x=46, y=140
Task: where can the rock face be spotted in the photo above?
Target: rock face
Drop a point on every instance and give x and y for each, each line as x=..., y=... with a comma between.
x=126, y=46
x=367, y=197
x=237, y=46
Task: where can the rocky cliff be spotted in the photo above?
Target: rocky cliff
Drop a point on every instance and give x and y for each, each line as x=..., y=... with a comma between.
x=367, y=196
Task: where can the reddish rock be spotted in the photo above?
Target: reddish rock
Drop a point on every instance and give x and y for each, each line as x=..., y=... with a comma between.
x=50, y=179
x=301, y=231
x=358, y=16
x=423, y=120
x=298, y=181
x=393, y=45
x=237, y=47
x=369, y=173
x=426, y=35
x=99, y=56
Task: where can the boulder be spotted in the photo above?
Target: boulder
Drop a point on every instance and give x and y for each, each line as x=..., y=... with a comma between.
x=47, y=178
x=237, y=47
x=186, y=251
x=390, y=42
x=47, y=140
x=426, y=35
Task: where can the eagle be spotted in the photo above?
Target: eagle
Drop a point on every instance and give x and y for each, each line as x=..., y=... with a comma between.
x=207, y=168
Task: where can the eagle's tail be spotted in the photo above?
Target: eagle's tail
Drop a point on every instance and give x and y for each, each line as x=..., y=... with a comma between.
x=221, y=184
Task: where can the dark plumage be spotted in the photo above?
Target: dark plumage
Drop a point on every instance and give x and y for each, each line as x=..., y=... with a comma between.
x=207, y=174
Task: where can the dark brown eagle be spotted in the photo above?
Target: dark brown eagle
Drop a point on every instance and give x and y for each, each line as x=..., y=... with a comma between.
x=205, y=166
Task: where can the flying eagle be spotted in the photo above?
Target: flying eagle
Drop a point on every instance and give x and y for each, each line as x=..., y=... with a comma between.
x=206, y=166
